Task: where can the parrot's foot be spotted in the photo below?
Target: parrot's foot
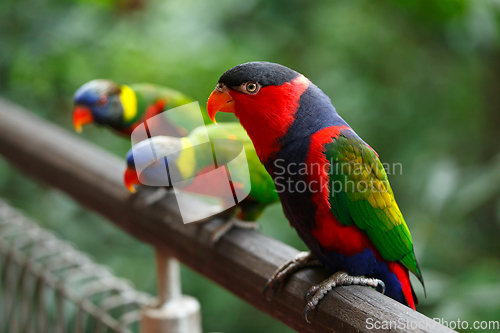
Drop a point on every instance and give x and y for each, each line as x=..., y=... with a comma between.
x=228, y=225
x=341, y=278
x=156, y=196
x=301, y=260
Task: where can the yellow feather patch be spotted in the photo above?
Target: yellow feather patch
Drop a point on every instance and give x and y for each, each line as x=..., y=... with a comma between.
x=129, y=102
x=380, y=201
x=396, y=213
x=186, y=161
x=387, y=197
x=372, y=201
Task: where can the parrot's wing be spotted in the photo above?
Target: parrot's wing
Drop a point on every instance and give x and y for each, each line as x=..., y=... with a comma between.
x=360, y=194
x=155, y=99
x=227, y=140
x=262, y=185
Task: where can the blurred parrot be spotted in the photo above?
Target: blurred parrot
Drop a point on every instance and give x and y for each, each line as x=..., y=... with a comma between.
x=332, y=185
x=123, y=107
x=189, y=163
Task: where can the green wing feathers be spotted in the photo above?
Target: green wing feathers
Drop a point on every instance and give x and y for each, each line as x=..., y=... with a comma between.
x=262, y=186
x=361, y=195
x=149, y=94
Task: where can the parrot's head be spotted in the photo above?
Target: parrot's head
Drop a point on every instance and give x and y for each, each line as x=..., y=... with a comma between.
x=103, y=102
x=146, y=162
x=264, y=96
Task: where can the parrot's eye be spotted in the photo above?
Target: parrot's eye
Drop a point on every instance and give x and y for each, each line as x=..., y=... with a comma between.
x=252, y=87
x=102, y=100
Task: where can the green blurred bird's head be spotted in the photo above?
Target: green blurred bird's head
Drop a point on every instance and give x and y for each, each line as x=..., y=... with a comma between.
x=103, y=102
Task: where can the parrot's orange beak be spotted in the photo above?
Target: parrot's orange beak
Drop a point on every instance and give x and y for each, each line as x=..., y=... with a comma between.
x=130, y=179
x=81, y=116
x=219, y=100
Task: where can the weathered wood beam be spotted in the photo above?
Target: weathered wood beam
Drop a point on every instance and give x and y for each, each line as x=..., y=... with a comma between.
x=241, y=262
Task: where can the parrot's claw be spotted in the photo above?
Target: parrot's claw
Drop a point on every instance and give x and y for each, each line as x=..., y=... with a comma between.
x=341, y=278
x=301, y=260
x=228, y=225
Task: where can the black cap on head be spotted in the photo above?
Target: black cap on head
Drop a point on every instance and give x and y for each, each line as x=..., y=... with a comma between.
x=265, y=73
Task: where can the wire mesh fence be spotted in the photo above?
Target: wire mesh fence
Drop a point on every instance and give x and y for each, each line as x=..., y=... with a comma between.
x=48, y=286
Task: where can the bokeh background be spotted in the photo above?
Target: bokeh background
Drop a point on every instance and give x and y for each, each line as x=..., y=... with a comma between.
x=418, y=80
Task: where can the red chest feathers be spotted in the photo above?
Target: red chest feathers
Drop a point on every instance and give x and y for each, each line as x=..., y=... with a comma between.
x=269, y=114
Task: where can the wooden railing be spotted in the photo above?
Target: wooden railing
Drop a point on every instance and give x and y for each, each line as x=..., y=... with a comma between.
x=241, y=261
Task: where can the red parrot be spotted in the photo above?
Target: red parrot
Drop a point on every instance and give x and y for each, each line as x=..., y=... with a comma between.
x=332, y=185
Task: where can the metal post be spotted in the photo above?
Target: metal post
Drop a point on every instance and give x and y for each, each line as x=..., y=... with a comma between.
x=175, y=313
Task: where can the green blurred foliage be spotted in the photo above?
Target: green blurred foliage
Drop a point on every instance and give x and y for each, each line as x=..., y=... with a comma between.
x=418, y=80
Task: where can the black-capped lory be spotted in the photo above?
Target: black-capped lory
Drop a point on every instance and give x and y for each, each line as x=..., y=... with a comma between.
x=123, y=108
x=191, y=156
x=332, y=185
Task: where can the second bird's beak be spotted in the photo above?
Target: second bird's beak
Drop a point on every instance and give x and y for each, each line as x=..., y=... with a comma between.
x=81, y=116
x=130, y=179
x=219, y=100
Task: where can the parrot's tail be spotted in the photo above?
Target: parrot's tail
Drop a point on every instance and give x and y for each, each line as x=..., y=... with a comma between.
x=403, y=277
